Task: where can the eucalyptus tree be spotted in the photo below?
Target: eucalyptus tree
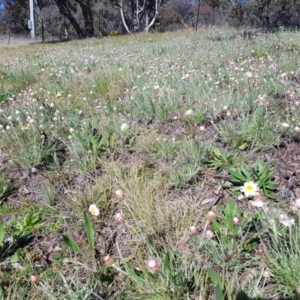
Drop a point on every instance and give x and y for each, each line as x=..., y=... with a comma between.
x=69, y=7
x=137, y=15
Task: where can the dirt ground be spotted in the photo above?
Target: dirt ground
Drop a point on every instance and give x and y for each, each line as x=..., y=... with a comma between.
x=17, y=40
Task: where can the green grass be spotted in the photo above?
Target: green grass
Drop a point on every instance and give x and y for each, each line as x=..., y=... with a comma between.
x=205, y=113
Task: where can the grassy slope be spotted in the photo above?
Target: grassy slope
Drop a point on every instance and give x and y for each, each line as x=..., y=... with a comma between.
x=182, y=94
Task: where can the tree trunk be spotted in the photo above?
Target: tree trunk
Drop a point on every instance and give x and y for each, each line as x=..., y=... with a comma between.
x=123, y=17
x=142, y=13
x=87, y=15
x=135, y=16
x=65, y=10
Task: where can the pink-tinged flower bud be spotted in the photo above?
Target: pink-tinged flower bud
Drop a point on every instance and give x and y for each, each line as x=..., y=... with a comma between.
x=266, y=274
x=297, y=129
x=175, y=118
x=298, y=290
x=152, y=265
x=236, y=221
x=119, y=194
x=258, y=196
x=34, y=278
x=263, y=263
x=210, y=215
x=108, y=260
x=119, y=217
x=209, y=234
x=261, y=251
x=194, y=230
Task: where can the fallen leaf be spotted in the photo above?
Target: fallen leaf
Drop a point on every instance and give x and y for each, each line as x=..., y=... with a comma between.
x=211, y=200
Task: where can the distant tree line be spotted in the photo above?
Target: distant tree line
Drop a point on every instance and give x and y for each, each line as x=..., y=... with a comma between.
x=87, y=18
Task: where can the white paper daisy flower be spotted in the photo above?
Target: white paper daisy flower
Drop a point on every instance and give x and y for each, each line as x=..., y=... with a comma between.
x=286, y=221
x=94, y=210
x=249, y=189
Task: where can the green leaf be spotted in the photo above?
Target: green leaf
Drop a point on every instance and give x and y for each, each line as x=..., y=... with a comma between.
x=92, y=143
x=55, y=159
x=236, y=189
x=234, y=180
x=264, y=176
x=89, y=232
x=214, y=277
x=78, y=137
x=15, y=258
x=2, y=232
x=219, y=293
x=271, y=195
x=271, y=172
x=226, y=184
x=217, y=152
x=112, y=141
x=258, y=165
x=243, y=146
x=236, y=174
x=215, y=226
x=71, y=244
x=99, y=141
x=271, y=186
x=1, y=294
x=245, y=171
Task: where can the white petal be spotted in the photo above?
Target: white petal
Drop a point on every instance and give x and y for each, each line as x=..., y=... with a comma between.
x=285, y=125
x=286, y=221
x=257, y=203
x=241, y=197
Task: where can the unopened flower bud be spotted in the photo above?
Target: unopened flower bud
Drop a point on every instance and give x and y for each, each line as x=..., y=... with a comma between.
x=236, y=221
x=152, y=265
x=119, y=194
x=297, y=129
x=210, y=216
x=189, y=112
x=298, y=290
x=258, y=196
x=34, y=278
x=209, y=234
x=194, y=230
x=266, y=274
x=119, y=217
x=261, y=251
x=124, y=127
x=108, y=260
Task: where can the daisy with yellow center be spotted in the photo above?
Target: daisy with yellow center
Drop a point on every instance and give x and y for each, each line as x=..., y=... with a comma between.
x=249, y=189
x=94, y=210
